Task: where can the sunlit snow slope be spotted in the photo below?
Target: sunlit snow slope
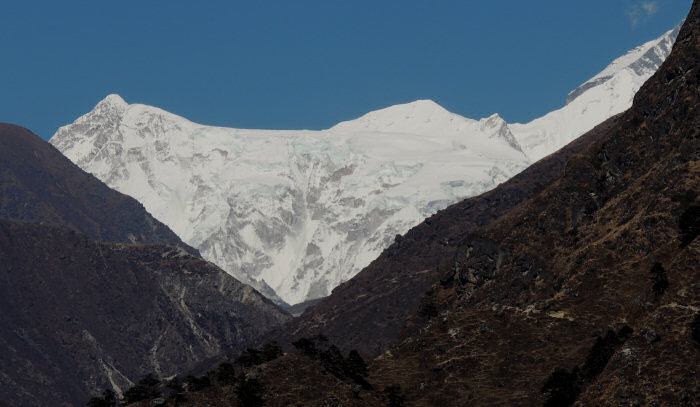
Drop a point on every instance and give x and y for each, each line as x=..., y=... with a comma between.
x=605, y=95
x=302, y=211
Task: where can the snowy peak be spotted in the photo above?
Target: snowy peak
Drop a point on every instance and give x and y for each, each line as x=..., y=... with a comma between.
x=498, y=128
x=418, y=117
x=428, y=119
x=112, y=100
x=113, y=105
x=643, y=61
x=605, y=95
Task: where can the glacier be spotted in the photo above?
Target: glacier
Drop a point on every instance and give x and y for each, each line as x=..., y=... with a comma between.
x=297, y=212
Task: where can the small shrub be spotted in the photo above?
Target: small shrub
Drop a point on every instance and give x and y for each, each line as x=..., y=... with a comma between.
x=394, y=396
x=197, y=383
x=253, y=357
x=147, y=388
x=602, y=351
x=695, y=328
x=562, y=387
x=249, y=392
x=108, y=399
x=176, y=391
x=689, y=224
x=600, y=354
x=659, y=279
x=250, y=357
x=271, y=351
x=311, y=347
x=355, y=365
x=225, y=374
x=428, y=309
x=333, y=361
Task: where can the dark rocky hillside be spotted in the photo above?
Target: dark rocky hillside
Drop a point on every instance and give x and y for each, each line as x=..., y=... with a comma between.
x=585, y=293
x=79, y=316
x=39, y=185
x=597, y=274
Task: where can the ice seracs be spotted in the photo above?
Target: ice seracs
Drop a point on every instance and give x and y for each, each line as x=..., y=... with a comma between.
x=303, y=211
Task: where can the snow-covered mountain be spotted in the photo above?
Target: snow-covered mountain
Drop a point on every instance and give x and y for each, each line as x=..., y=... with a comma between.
x=300, y=210
x=303, y=211
x=605, y=95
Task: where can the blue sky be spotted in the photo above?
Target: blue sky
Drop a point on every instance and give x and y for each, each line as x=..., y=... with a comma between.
x=310, y=64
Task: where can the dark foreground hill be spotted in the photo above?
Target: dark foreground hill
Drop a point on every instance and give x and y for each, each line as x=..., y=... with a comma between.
x=79, y=316
x=587, y=292
x=39, y=185
x=95, y=292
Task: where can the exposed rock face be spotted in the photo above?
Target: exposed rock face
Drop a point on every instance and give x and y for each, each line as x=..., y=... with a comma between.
x=79, y=316
x=39, y=185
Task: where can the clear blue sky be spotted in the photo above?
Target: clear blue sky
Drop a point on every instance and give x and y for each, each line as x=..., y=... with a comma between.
x=309, y=64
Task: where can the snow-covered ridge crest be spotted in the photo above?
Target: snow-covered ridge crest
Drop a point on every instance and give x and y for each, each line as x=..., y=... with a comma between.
x=608, y=93
x=303, y=211
x=644, y=60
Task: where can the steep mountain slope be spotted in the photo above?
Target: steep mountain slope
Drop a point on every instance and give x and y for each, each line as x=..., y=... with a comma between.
x=79, y=316
x=608, y=93
x=39, y=185
x=301, y=210
x=610, y=243
x=304, y=211
x=588, y=292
